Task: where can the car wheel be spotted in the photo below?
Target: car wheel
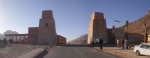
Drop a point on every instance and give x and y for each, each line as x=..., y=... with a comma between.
x=138, y=53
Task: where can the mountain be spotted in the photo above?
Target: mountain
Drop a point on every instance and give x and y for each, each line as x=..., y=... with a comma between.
x=10, y=32
x=2, y=36
x=81, y=39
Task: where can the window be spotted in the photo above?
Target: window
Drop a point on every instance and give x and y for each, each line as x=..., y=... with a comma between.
x=142, y=46
x=147, y=47
x=46, y=24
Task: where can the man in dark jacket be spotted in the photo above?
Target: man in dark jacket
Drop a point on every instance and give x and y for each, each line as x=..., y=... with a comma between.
x=101, y=43
x=122, y=43
x=4, y=40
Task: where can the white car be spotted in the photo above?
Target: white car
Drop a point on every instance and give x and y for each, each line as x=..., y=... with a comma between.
x=142, y=49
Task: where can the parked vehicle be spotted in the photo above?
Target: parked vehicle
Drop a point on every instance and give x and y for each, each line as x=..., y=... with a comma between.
x=96, y=42
x=142, y=49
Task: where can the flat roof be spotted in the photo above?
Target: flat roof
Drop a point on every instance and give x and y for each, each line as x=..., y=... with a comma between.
x=16, y=34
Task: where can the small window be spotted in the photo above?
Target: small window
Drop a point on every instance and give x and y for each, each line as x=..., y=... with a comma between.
x=46, y=24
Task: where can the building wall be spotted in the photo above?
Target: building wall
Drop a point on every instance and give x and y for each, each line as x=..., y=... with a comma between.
x=25, y=40
x=97, y=27
x=33, y=35
x=90, y=32
x=109, y=36
x=47, y=30
x=119, y=34
x=61, y=39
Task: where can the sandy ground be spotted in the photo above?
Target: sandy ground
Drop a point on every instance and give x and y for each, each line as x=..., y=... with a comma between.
x=31, y=54
x=17, y=50
x=120, y=53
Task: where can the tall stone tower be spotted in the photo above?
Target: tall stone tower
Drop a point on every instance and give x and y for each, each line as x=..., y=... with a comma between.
x=97, y=27
x=47, y=30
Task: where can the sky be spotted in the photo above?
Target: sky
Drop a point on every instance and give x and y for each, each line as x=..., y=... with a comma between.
x=72, y=17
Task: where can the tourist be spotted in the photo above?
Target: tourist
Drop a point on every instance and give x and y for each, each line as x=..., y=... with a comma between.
x=122, y=43
x=126, y=43
x=22, y=41
x=101, y=43
x=10, y=41
x=118, y=43
x=4, y=41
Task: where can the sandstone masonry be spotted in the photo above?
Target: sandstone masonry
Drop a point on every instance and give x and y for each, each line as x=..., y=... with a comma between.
x=97, y=27
x=47, y=30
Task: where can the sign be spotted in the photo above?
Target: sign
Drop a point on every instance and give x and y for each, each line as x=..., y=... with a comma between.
x=148, y=38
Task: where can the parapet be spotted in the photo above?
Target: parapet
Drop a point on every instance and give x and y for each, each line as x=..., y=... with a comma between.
x=47, y=14
x=97, y=15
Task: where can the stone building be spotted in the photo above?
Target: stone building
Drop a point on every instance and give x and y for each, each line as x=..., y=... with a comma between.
x=97, y=27
x=45, y=34
x=26, y=40
x=61, y=39
x=33, y=35
x=47, y=30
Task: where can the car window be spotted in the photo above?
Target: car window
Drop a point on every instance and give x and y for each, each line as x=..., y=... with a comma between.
x=147, y=46
x=142, y=46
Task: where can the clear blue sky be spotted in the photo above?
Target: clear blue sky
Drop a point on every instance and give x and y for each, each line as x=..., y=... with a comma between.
x=72, y=17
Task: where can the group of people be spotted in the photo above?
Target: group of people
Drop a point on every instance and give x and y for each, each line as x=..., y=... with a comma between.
x=124, y=43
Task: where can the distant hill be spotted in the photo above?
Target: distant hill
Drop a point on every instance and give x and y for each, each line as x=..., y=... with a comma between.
x=81, y=39
x=10, y=32
x=2, y=36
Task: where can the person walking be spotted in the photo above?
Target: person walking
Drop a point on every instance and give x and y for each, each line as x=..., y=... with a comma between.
x=4, y=41
x=118, y=43
x=122, y=43
x=126, y=43
x=101, y=43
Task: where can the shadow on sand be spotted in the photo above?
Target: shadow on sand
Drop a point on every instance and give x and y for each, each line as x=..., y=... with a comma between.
x=4, y=45
x=75, y=45
x=42, y=54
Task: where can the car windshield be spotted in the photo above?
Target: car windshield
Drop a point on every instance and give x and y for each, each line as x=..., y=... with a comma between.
x=142, y=46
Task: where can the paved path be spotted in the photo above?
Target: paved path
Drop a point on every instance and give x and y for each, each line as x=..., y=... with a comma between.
x=73, y=52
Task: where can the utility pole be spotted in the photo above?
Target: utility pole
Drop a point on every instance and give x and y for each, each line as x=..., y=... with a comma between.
x=117, y=21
